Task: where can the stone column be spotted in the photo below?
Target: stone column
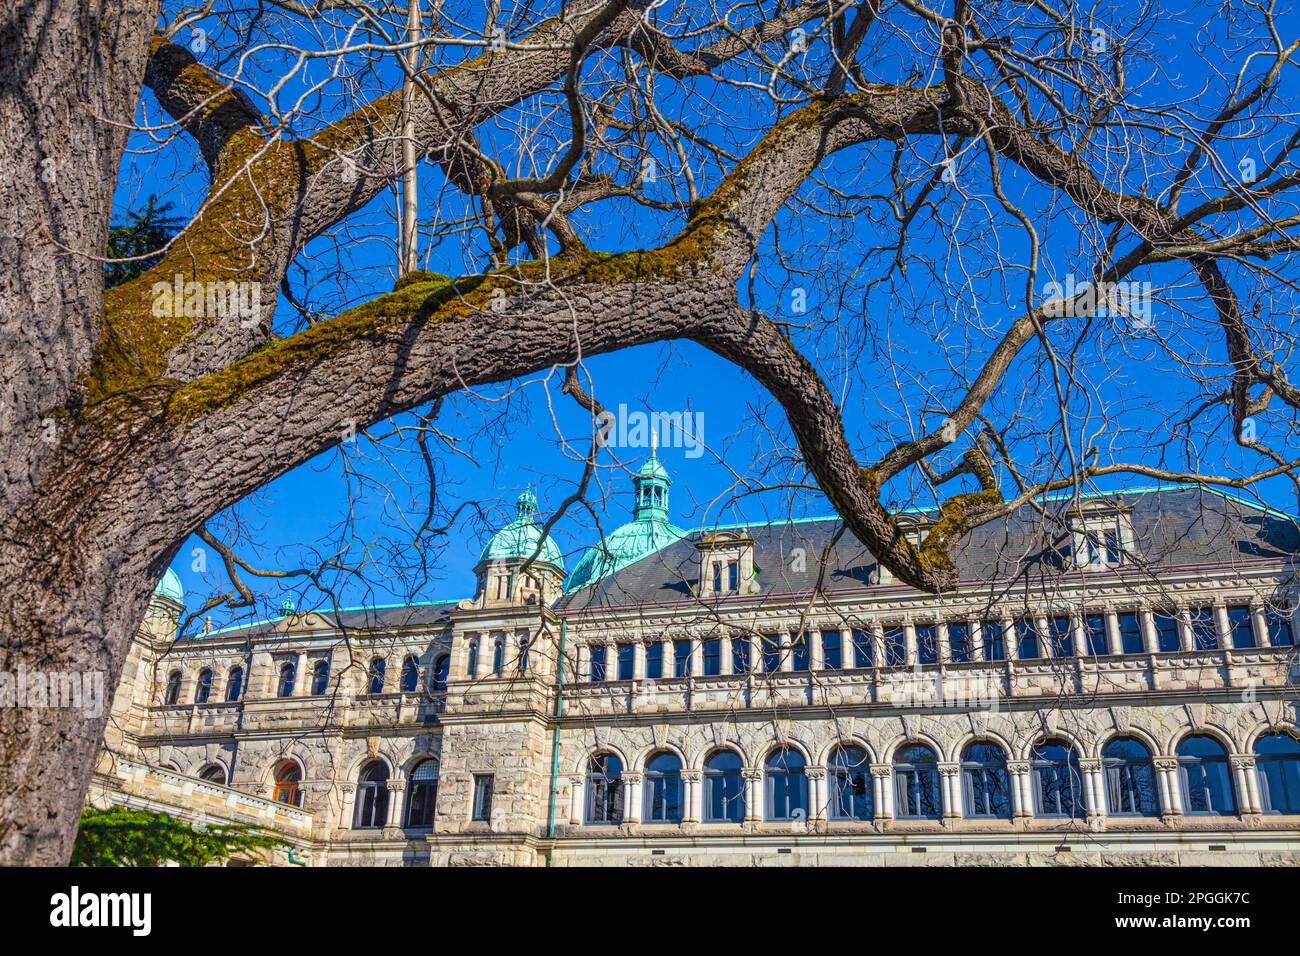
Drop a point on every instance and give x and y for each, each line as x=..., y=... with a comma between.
x=910, y=658
x=584, y=663
x=882, y=784
x=1113, y=644
x=753, y=778
x=1079, y=634
x=816, y=793
x=976, y=628
x=787, y=652
x=1022, y=803
x=1150, y=640
x=1221, y=625
x=1045, y=648
x=301, y=679
x=848, y=656
x=1094, y=800
x=348, y=810
x=396, y=791
x=576, y=782
x=1245, y=783
x=877, y=631
x=632, y=799
x=670, y=657
x=260, y=680
x=697, y=657
x=941, y=647
x=693, y=797
x=1010, y=644
x=725, y=655
x=1185, y=639
x=1170, y=789
x=950, y=789
x=483, y=662
x=638, y=660
x=1259, y=624
x=816, y=652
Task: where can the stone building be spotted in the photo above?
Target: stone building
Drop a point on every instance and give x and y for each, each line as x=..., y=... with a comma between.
x=1113, y=682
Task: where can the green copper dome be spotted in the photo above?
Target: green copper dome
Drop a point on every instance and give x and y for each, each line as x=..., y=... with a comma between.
x=170, y=587
x=519, y=539
x=647, y=532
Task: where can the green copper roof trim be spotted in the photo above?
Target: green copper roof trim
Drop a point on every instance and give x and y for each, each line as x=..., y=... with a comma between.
x=522, y=537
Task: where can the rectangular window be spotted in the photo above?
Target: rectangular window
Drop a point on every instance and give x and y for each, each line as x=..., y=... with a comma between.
x=959, y=646
x=471, y=662
x=1094, y=628
x=598, y=663
x=1204, y=633
x=1279, y=627
x=626, y=661
x=1240, y=626
x=1130, y=633
x=740, y=655
x=482, y=809
x=895, y=647
x=927, y=645
x=832, y=652
x=995, y=645
x=717, y=577
x=733, y=575
x=654, y=660
x=681, y=658
x=712, y=657
x=1167, y=641
x=1112, y=550
x=1058, y=629
x=771, y=653
x=799, y=653
x=1026, y=638
x=862, y=655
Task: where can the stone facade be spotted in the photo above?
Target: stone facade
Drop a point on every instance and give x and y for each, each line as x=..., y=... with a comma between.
x=519, y=696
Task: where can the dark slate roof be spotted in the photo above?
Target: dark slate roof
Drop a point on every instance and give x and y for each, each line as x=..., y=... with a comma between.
x=1174, y=526
x=386, y=617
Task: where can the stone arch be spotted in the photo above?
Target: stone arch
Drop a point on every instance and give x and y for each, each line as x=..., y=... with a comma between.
x=985, y=735
x=645, y=753
x=846, y=740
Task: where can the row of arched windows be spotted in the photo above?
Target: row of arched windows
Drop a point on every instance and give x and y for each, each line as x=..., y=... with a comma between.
x=1129, y=782
x=287, y=678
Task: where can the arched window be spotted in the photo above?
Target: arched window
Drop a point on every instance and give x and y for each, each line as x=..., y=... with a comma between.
x=376, y=675
x=441, y=668
x=288, y=676
x=985, y=783
x=1207, y=782
x=320, y=677
x=916, y=783
x=372, y=797
x=1058, y=788
x=498, y=655
x=173, y=691
x=288, y=780
x=213, y=773
x=410, y=675
x=850, y=776
x=1130, y=778
x=724, y=788
x=663, y=789
x=422, y=798
x=1277, y=759
x=203, y=689
x=234, y=683
x=604, y=789
x=787, y=785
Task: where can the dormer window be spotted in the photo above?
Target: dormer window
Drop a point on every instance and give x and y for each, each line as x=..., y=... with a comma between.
x=727, y=564
x=1101, y=537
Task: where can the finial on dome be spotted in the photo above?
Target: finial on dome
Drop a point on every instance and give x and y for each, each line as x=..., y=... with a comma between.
x=526, y=503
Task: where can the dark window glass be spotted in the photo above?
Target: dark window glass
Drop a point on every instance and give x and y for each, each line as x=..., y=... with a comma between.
x=203, y=690
x=1205, y=636
x=1240, y=626
x=1094, y=626
x=422, y=799
x=916, y=783
x=724, y=788
x=740, y=655
x=663, y=789
x=1058, y=630
x=1167, y=641
x=1207, y=779
x=733, y=576
x=832, y=652
x=1026, y=638
x=712, y=657
x=862, y=655
x=1279, y=627
x=895, y=647
x=378, y=667
x=654, y=660
x=288, y=674
x=1058, y=788
x=771, y=652
x=850, y=785
x=471, y=663
x=441, y=668
x=799, y=653
x=482, y=807
x=410, y=675
x=626, y=661
x=235, y=683
x=320, y=677
x=787, y=786
x=214, y=773
x=681, y=658
x=1130, y=633
x=986, y=785
x=597, y=663
x=995, y=646
x=604, y=789
x=959, y=643
x=717, y=577
x=172, y=693
x=498, y=655
x=372, y=797
x=1277, y=761
x=927, y=645
x=1130, y=778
